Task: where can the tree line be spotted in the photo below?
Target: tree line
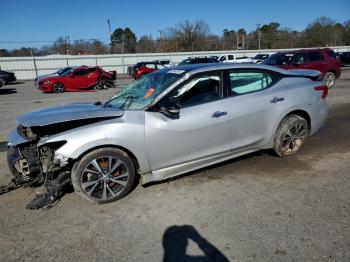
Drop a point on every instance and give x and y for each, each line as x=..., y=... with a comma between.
x=196, y=36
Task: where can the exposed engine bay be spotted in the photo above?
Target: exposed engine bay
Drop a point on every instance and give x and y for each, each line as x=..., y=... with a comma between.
x=34, y=163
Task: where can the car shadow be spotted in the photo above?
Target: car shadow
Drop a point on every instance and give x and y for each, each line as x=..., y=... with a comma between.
x=16, y=83
x=3, y=146
x=175, y=242
x=7, y=91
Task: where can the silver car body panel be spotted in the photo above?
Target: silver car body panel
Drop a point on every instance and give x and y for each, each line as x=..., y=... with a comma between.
x=166, y=147
x=65, y=113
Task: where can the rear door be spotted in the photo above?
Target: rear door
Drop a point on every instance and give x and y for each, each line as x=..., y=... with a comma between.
x=251, y=105
x=92, y=74
x=317, y=61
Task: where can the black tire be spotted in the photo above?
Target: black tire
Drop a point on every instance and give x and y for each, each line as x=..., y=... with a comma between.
x=11, y=155
x=329, y=79
x=57, y=88
x=291, y=135
x=2, y=82
x=98, y=186
x=100, y=85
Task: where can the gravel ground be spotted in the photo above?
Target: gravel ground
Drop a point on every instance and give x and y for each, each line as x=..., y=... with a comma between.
x=254, y=208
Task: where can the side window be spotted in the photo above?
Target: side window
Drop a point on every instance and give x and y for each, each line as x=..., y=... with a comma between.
x=222, y=59
x=299, y=59
x=230, y=57
x=315, y=56
x=90, y=70
x=80, y=72
x=198, y=90
x=248, y=81
x=332, y=54
x=152, y=66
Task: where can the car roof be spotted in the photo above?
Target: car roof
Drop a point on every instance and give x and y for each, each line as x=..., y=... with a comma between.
x=304, y=50
x=82, y=67
x=206, y=67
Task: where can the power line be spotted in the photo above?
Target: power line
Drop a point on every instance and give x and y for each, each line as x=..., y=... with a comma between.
x=48, y=41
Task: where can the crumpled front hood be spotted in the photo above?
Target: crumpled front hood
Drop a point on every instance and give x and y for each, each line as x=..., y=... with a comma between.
x=66, y=113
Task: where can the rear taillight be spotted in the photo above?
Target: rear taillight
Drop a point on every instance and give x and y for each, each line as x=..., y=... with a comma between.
x=324, y=90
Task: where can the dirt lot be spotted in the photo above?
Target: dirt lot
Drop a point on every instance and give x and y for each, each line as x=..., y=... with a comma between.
x=255, y=208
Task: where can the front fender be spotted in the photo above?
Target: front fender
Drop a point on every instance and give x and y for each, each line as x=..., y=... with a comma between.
x=126, y=132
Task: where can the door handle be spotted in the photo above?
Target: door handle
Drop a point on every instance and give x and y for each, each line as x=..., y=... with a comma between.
x=277, y=100
x=219, y=113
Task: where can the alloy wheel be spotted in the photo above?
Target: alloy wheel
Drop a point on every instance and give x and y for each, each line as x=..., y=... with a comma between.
x=293, y=139
x=330, y=79
x=57, y=88
x=104, y=178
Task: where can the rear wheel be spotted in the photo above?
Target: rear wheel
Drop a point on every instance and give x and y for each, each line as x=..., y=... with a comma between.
x=291, y=135
x=104, y=175
x=329, y=79
x=100, y=85
x=2, y=82
x=57, y=88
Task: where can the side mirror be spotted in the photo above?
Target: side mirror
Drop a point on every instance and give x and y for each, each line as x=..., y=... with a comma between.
x=71, y=75
x=170, y=109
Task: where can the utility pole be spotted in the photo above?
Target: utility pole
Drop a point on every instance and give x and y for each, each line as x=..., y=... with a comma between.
x=259, y=34
x=159, y=42
x=242, y=42
x=67, y=44
x=110, y=35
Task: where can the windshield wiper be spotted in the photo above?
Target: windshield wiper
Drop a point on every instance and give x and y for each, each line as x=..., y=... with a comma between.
x=128, y=100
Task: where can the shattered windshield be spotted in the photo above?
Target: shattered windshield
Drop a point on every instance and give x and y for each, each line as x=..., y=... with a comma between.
x=141, y=93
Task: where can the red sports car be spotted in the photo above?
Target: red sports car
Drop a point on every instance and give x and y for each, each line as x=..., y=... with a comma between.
x=143, y=68
x=80, y=78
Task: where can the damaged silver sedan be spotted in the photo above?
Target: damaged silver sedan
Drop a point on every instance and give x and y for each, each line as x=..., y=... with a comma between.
x=168, y=123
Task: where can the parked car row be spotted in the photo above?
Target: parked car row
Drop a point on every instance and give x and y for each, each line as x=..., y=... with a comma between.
x=83, y=78
x=324, y=60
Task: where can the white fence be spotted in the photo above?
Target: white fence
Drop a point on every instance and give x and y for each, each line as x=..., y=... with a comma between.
x=30, y=67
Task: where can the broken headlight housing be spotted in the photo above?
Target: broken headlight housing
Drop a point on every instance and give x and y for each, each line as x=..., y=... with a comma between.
x=26, y=133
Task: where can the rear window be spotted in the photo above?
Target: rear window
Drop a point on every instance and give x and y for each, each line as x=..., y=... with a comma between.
x=315, y=56
x=331, y=53
x=243, y=81
x=152, y=66
x=90, y=70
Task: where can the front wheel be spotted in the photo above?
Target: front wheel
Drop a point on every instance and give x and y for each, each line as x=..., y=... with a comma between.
x=291, y=135
x=104, y=175
x=57, y=88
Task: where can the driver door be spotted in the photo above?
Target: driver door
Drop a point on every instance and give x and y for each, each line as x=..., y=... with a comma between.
x=201, y=129
x=78, y=79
